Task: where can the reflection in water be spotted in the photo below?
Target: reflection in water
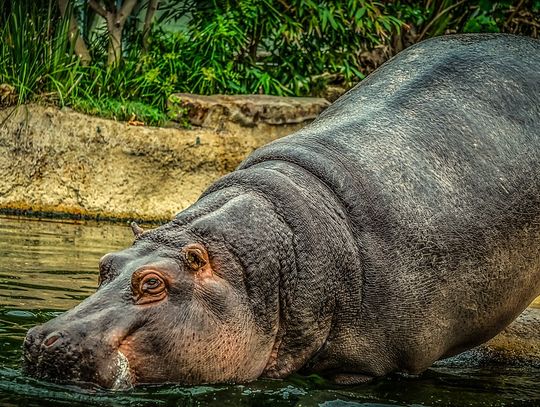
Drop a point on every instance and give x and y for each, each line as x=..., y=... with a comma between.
x=53, y=264
x=48, y=267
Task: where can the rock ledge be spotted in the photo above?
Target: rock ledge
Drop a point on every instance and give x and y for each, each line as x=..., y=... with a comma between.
x=245, y=110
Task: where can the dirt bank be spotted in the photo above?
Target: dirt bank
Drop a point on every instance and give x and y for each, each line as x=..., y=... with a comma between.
x=61, y=162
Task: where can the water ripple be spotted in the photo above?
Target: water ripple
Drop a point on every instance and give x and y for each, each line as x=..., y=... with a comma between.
x=49, y=267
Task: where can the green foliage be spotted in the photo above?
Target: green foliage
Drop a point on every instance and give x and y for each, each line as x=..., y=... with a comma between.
x=35, y=53
x=262, y=46
x=164, y=69
x=488, y=16
x=282, y=47
x=123, y=110
x=294, y=47
x=436, y=17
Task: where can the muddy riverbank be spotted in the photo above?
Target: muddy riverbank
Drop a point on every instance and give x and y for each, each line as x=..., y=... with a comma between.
x=62, y=163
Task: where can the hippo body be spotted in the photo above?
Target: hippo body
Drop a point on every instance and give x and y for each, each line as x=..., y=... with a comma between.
x=400, y=227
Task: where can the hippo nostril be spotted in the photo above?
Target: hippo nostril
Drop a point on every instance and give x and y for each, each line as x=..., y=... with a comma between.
x=51, y=339
x=32, y=335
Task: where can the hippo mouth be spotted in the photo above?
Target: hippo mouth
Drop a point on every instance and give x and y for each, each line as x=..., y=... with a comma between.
x=41, y=368
x=122, y=375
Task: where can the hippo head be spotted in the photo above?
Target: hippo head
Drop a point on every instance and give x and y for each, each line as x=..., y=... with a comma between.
x=173, y=307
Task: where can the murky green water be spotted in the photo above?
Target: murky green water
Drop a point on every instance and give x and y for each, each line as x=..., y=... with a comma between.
x=48, y=267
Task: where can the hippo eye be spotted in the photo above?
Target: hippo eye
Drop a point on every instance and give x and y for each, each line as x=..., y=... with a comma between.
x=148, y=286
x=151, y=284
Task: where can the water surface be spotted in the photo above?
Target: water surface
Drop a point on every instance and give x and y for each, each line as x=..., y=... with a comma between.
x=48, y=267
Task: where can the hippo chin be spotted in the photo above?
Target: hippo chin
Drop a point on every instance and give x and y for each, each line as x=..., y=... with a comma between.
x=399, y=228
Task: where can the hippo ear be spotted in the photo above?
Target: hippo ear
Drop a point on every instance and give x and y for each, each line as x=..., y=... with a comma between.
x=137, y=230
x=197, y=257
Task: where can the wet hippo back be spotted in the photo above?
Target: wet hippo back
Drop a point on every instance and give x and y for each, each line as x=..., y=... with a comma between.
x=435, y=160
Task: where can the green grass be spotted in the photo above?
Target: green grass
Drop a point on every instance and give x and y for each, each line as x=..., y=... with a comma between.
x=36, y=58
x=32, y=62
x=120, y=110
x=250, y=46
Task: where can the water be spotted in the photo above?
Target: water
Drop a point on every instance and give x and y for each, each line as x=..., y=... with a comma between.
x=48, y=267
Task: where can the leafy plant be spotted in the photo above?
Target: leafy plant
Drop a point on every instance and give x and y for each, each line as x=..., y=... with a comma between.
x=123, y=110
x=262, y=46
x=293, y=47
x=35, y=52
x=436, y=17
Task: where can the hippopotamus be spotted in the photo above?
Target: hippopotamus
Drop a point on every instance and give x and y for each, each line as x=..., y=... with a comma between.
x=402, y=226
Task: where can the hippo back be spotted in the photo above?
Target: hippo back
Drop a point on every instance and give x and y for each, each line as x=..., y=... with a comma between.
x=435, y=159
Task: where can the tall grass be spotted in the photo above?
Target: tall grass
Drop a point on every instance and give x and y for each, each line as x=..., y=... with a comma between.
x=37, y=59
x=247, y=46
x=35, y=53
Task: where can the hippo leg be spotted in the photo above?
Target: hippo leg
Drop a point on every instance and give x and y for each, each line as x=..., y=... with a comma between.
x=350, y=378
x=517, y=345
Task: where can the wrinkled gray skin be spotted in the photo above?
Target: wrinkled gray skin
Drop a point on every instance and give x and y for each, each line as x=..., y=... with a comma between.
x=401, y=227
x=517, y=345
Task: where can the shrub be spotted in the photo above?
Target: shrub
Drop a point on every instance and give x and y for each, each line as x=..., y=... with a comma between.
x=295, y=47
x=35, y=54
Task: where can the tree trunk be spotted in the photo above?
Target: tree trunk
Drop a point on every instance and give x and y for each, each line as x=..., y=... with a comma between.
x=79, y=46
x=114, y=54
x=152, y=7
x=115, y=19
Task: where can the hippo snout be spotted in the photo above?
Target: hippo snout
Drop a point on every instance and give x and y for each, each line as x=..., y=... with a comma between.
x=75, y=347
x=31, y=344
x=50, y=355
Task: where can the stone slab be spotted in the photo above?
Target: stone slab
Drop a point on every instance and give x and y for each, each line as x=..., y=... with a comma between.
x=216, y=111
